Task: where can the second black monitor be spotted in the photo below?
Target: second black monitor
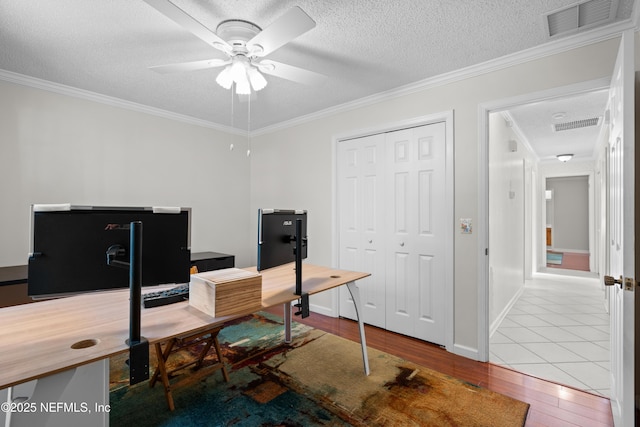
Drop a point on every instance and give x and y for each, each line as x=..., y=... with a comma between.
x=276, y=236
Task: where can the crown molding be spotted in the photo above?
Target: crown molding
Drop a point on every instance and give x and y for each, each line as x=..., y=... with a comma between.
x=61, y=89
x=551, y=48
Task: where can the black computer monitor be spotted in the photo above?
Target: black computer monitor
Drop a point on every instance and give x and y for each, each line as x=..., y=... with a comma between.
x=277, y=236
x=70, y=243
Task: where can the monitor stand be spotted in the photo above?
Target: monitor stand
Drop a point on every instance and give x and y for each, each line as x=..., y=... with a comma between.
x=138, y=346
x=303, y=302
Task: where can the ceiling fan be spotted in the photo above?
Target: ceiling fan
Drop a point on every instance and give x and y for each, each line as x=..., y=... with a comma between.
x=245, y=45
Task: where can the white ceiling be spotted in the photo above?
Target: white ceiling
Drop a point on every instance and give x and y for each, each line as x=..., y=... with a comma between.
x=536, y=123
x=365, y=47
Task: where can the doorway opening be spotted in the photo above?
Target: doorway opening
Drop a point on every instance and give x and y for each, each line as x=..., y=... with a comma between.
x=567, y=226
x=545, y=319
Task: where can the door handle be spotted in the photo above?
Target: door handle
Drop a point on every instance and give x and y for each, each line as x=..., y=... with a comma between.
x=610, y=281
x=627, y=283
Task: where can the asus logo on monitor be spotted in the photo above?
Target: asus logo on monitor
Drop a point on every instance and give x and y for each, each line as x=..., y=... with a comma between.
x=115, y=227
x=287, y=223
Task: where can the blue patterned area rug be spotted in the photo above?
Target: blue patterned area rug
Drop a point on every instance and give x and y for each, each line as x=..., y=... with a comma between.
x=317, y=380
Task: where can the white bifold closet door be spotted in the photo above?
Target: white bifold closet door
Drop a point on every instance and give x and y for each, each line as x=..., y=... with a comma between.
x=361, y=223
x=392, y=222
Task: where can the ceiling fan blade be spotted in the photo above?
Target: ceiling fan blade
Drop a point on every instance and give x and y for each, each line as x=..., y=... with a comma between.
x=181, y=18
x=287, y=27
x=190, y=66
x=290, y=72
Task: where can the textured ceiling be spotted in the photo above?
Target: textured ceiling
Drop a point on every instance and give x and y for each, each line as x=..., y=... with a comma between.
x=365, y=47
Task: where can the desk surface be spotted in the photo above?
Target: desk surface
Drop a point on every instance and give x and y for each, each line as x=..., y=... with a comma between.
x=37, y=338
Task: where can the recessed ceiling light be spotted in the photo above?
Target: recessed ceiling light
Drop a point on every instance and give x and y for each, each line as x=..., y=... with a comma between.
x=559, y=115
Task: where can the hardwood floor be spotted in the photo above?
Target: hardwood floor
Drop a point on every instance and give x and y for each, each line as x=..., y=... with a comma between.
x=551, y=404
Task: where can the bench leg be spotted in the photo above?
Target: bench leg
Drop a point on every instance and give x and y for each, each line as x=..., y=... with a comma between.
x=162, y=371
x=287, y=322
x=216, y=345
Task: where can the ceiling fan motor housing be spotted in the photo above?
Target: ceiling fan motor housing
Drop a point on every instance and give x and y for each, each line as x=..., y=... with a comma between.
x=237, y=33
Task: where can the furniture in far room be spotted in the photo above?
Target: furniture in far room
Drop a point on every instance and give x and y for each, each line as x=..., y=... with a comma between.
x=208, y=261
x=13, y=286
x=549, y=242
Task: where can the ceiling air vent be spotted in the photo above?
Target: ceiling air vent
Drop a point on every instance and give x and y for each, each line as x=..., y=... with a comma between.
x=579, y=16
x=576, y=124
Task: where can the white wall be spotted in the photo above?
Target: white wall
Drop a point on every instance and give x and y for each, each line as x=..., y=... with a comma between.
x=506, y=216
x=302, y=157
x=294, y=171
x=61, y=149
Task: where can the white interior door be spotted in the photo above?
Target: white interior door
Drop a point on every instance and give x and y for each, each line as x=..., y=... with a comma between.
x=417, y=223
x=360, y=173
x=621, y=221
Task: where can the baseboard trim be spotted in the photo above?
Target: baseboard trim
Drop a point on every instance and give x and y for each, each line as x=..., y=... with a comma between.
x=496, y=323
x=320, y=309
x=574, y=251
x=468, y=352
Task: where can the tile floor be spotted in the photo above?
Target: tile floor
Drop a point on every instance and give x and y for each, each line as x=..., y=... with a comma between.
x=558, y=330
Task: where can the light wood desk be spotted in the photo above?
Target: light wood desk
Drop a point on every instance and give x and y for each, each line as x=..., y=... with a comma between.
x=38, y=340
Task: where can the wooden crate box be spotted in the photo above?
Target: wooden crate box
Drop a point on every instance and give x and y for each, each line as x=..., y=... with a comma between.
x=226, y=292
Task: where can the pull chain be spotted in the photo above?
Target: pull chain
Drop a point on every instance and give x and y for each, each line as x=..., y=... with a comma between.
x=249, y=128
x=232, y=117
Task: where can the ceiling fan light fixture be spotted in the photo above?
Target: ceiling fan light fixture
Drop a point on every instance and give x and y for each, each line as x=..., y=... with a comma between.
x=258, y=82
x=238, y=71
x=243, y=87
x=564, y=157
x=225, y=79
x=243, y=74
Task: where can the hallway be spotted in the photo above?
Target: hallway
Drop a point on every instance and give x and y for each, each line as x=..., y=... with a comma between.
x=558, y=330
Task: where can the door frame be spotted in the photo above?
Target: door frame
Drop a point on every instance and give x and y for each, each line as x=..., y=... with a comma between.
x=447, y=117
x=484, y=110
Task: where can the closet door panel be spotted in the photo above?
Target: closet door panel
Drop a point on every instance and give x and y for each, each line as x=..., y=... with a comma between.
x=416, y=159
x=429, y=235
x=360, y=174
x=401, y=267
